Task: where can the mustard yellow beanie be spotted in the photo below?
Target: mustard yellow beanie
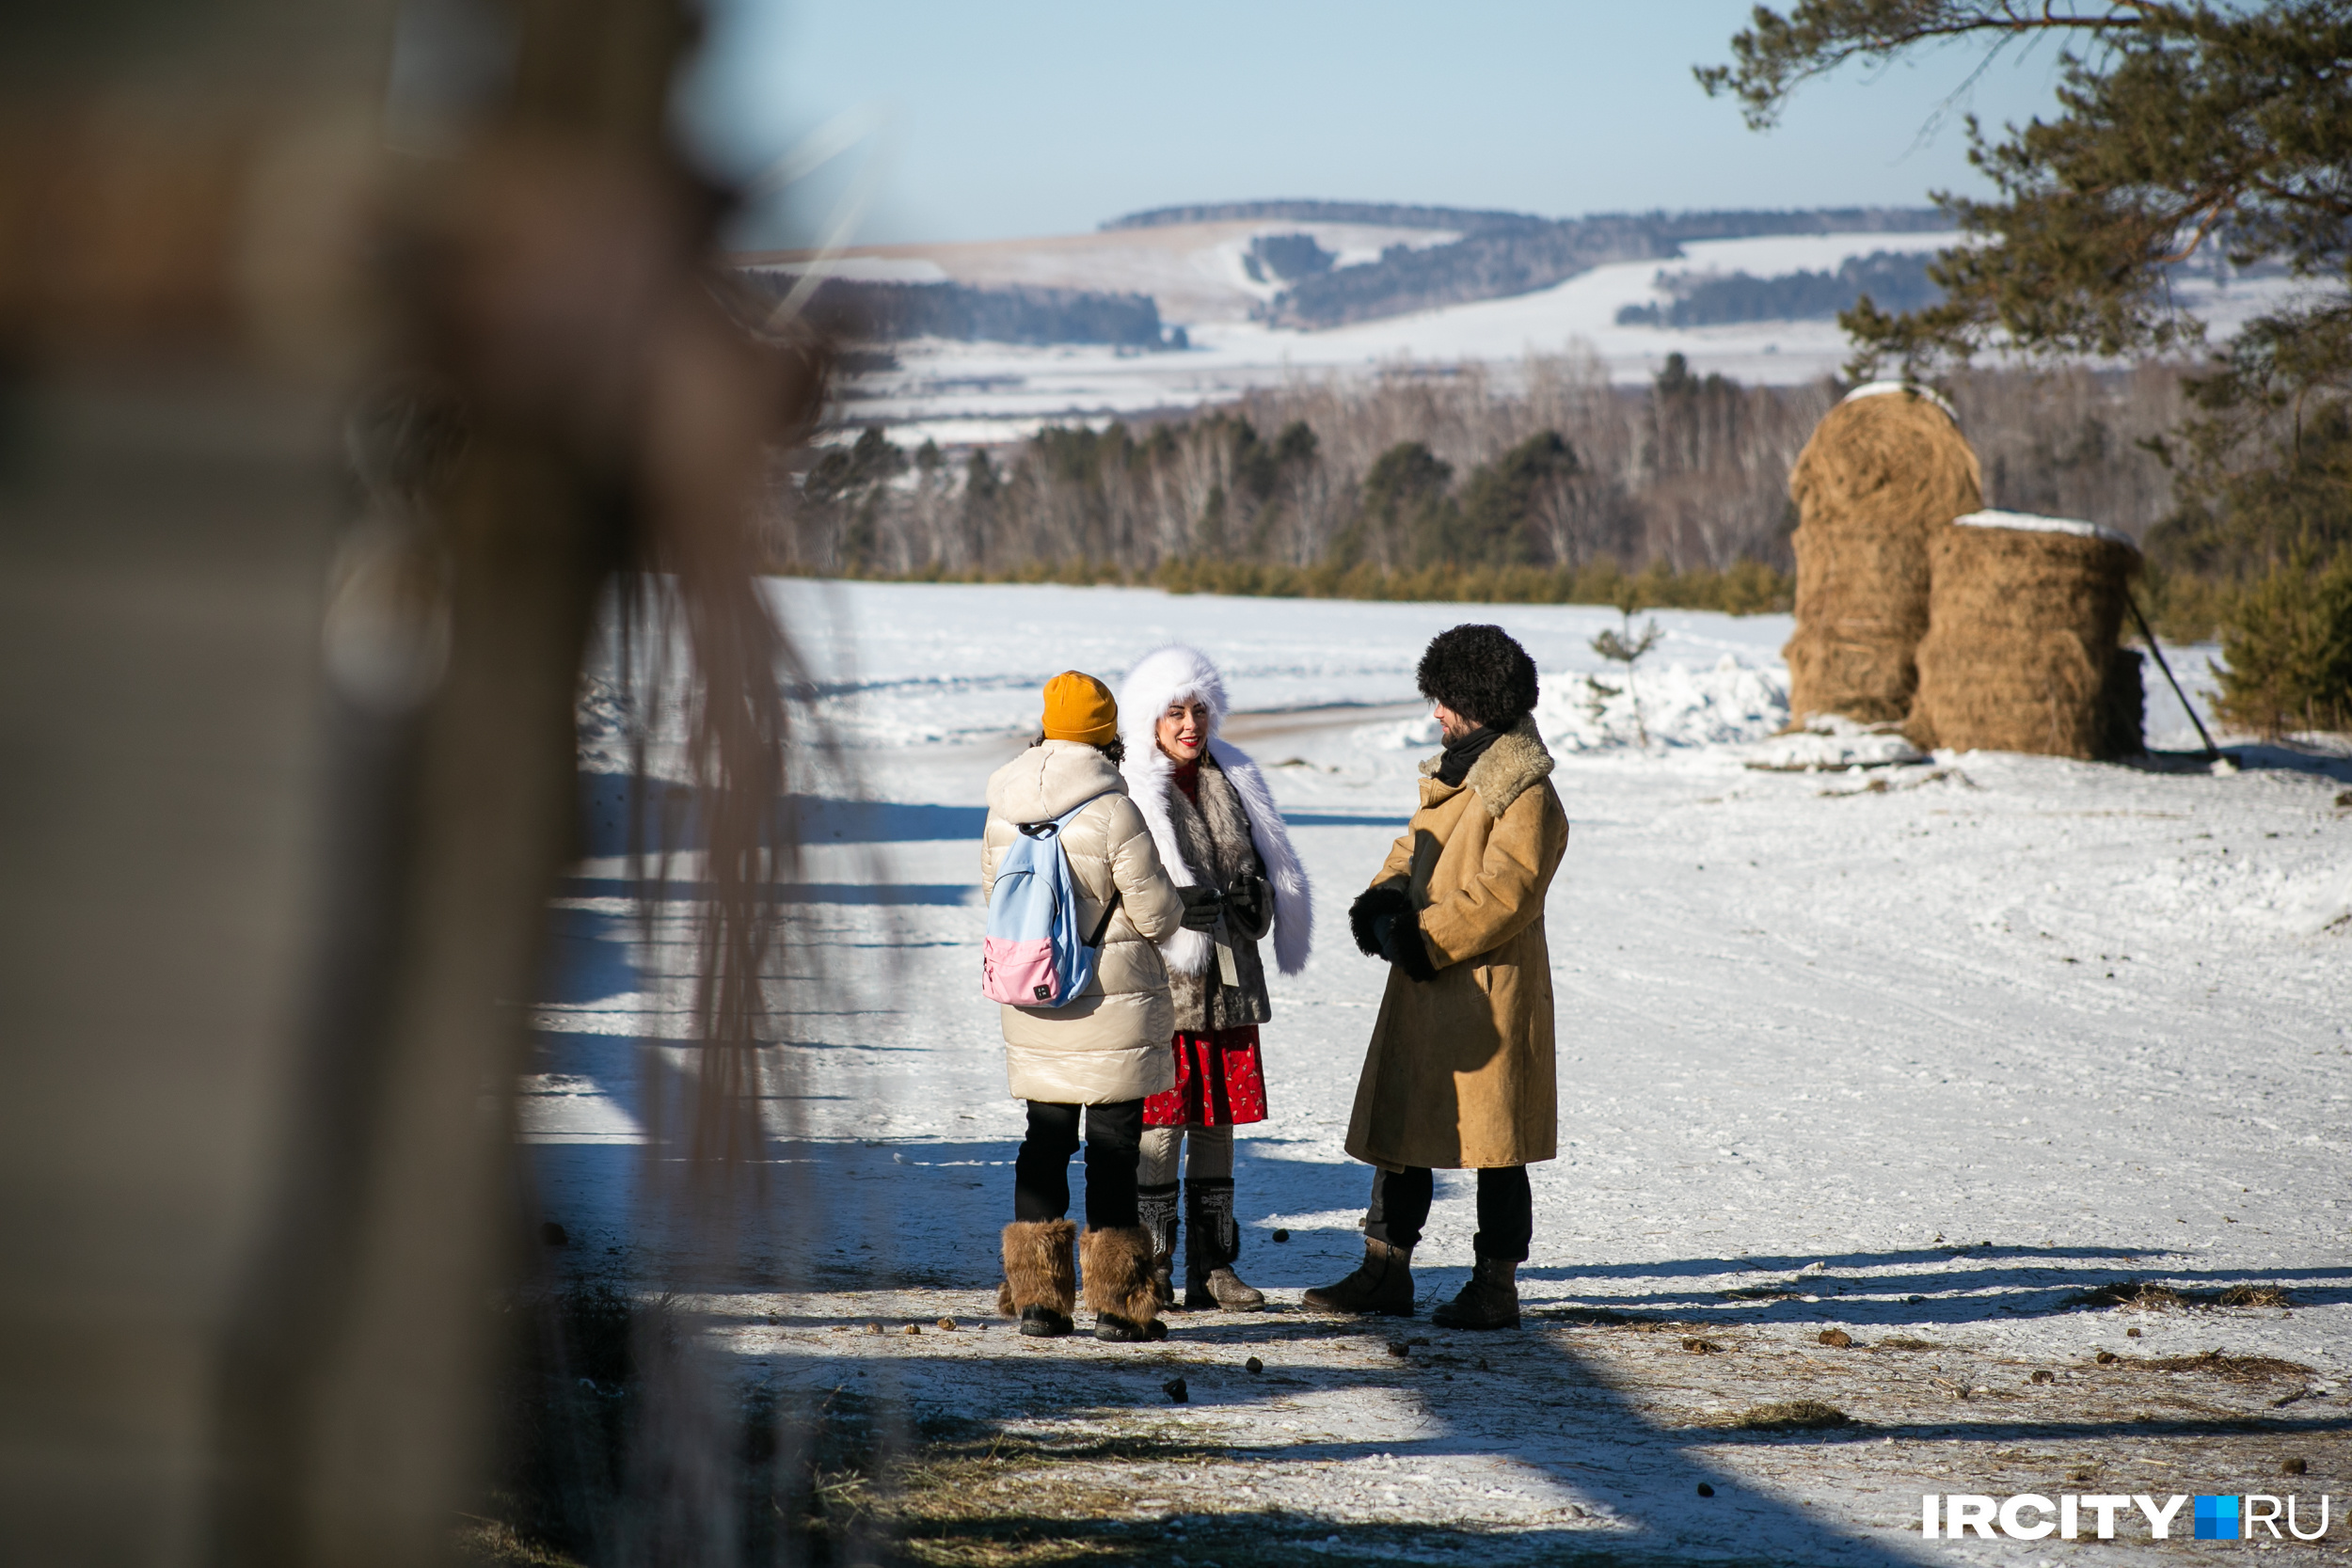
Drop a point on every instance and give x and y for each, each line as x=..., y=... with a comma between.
x=1079, y=707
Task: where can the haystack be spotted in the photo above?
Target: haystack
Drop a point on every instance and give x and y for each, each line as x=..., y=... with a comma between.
x=2022, y=649
x=1884, y=470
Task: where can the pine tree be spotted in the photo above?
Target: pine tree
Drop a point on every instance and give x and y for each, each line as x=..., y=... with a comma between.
x=1500, y=498
x=1407, y=507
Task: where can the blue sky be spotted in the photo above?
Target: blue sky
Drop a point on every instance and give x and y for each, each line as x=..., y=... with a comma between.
x=990, y=121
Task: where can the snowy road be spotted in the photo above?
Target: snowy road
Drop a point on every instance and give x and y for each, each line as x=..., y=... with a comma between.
x=1915, y=1054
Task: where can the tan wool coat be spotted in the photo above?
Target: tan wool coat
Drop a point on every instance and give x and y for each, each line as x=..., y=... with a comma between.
x=1460, y=1072
x=1111, y=1043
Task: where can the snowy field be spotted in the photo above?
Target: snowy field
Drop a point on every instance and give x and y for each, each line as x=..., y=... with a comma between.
x=977, y=392
x=1918, y=1053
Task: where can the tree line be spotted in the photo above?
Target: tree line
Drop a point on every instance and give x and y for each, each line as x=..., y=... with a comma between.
x=1894, y=280
x=1535, y=482
x=860, y=311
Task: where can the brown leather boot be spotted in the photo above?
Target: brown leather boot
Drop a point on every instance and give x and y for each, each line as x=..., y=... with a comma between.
x=1490, y=1300
x=1382, y=1284
x=1118, y=1275
x=1041, y=1283
x=1228, y=1291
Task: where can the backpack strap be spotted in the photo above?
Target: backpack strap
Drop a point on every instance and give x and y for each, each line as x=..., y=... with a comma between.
x=1109, y=909
x=1039, y=830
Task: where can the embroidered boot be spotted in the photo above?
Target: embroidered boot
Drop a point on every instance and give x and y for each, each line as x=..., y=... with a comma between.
x=1155, y=1210
x=1490, y=1300
x=1118, y=1275
x=1041, y=1283
x=1382, y=1284
x=1212, y=1243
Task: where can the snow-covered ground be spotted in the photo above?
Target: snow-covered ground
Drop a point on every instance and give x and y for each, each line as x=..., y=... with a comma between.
x=1914, y=1052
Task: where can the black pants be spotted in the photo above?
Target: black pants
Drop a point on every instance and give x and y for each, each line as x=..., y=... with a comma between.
x=1041, y=1174
x=1506, y=1210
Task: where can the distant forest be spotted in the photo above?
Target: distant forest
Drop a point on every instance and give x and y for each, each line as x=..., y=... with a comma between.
x=1279, y=257
x=1500, y=253
x=1894, y=280
x=857, y=310
x=1545, y=477
x=1495, y=259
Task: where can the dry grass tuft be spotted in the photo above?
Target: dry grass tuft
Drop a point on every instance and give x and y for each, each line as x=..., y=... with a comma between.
x=495, y=1543
x=2253, y=1295
x=1880, y=474
x=2135, y=1294
x=1790, y=1415
x=2232, y=1369
x=1905, y=1342
x=2142, y=1296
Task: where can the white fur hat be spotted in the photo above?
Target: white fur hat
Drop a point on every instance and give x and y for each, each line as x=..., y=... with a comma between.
x=1159, y=678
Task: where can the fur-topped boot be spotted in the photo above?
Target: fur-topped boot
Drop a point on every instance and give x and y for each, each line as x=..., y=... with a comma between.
x=1212, y=1243
x=1118, y=1276
x=1041, y=1283
x=1382, y=1284
x=1155, y=1210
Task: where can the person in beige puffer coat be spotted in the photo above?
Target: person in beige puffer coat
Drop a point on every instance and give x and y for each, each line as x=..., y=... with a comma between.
x=1104, y=1051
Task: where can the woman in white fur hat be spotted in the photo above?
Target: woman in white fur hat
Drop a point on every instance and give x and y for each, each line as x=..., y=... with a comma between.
x=1223, y=843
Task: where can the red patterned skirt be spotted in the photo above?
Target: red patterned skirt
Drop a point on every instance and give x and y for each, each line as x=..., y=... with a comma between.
x=1219, y=1082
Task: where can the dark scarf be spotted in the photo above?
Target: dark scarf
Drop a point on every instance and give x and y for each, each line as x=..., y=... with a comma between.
x=1459, y=753
x=1187, y=777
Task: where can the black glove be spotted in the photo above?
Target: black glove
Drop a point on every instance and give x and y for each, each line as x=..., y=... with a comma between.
x=1248, y=898
x=1389, y=898
x=1401, y=945
x=1387, y=925
x=1203, y=906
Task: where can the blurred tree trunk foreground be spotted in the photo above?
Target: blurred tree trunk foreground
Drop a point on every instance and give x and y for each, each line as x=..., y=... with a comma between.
x=288, y=760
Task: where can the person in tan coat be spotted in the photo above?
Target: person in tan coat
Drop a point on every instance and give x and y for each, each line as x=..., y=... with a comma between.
x=1104, y=1051
x=1460, y=1074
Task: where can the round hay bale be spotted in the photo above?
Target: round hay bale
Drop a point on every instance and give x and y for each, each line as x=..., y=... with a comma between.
x=2021, y=653
x=1883, y=470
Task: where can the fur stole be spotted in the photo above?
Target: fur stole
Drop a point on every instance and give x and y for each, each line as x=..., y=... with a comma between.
x=1159, y=678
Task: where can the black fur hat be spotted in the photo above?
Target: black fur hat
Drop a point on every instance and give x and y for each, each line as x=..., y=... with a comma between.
x=1481, y=672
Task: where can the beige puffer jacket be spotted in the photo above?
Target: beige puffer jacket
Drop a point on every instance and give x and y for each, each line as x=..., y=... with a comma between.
x=1111, y=1043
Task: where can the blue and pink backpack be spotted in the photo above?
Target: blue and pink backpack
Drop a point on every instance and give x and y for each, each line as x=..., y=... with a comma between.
x=1033, y=955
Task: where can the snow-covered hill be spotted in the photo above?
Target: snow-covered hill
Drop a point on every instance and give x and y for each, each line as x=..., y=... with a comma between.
x=962, y=393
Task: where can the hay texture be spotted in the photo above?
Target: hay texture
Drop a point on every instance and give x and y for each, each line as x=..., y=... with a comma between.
x=2021, y=653
x=1883, y=470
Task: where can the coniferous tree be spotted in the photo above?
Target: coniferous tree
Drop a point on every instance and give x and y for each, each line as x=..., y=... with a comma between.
x=1499, y=500
x=982, y=491
x=1407, y=515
